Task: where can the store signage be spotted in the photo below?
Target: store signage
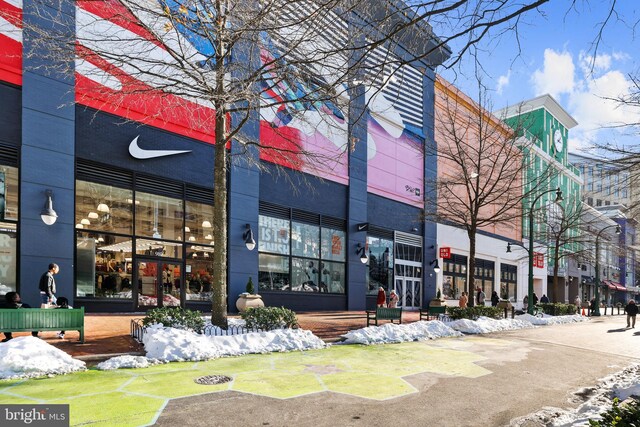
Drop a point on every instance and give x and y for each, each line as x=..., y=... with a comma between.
x=538, y=260
x=142, y=154
x=445, y=252
x=364, y=226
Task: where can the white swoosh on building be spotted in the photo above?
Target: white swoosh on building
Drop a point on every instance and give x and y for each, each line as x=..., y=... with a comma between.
x=141, y=153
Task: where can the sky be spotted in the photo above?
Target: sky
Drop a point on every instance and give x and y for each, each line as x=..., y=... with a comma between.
x=556, y=56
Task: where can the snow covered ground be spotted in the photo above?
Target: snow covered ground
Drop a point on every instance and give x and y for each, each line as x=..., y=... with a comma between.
x=29, y=357
x=622, y=385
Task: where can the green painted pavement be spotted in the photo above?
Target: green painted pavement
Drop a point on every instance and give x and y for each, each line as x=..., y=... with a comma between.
x=134, y=397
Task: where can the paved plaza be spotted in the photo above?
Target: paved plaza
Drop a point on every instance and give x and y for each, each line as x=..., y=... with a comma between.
x=469, y=381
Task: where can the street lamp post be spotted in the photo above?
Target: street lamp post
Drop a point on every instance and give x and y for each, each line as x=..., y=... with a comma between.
x=596, y=309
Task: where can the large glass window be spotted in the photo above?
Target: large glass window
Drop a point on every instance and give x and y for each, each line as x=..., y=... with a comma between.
x=199, y=223
x=483, y=279
x=300, y=257
x=160, y=217
x=8, y=240
x=8, y=193
x=198, y=274
x=508, y=282
x=104, y=265
x=104, y=208
x=381, y=259
x=454, y=276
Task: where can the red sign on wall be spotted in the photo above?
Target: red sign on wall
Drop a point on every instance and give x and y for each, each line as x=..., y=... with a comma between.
x=538, y=260
x=445, y=253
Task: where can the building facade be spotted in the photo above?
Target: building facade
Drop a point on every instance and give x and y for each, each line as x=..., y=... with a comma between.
x=134, y=229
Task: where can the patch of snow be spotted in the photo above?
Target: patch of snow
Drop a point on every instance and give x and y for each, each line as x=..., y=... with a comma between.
x=392, y=333
x=485, y=325
x=172, y=345
x=126, y=361
x=622, y=385
x=552, y=320
x=29, y=357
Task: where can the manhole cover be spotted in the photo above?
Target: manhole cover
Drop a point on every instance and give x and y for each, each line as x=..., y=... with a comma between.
x=212, y=379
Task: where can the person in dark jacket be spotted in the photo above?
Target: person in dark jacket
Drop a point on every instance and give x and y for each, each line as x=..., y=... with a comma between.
x=535, y=299
x=631, y=309
x=12, y=300
x=48, y=285
x=494, y=299
x=544, y=299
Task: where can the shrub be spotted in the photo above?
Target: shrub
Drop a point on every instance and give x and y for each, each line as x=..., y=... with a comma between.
x=473, y=313
x=175, y=317
x=625, y=415
x=558, y=309
x=268, y=318
x=250, y=288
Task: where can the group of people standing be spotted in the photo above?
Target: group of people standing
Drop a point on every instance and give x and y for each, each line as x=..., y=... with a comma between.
x=381, y=301
x=463, y=301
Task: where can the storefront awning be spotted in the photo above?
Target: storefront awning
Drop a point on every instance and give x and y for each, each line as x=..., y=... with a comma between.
x=614, y=286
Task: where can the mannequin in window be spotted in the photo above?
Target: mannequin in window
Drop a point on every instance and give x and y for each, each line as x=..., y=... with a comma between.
x=166, y=280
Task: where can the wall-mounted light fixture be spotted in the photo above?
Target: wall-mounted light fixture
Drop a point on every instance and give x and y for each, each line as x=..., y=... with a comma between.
x=248, y=238
x=508, y=247
x=48, y=215
x=436, y=267
x=363, y=254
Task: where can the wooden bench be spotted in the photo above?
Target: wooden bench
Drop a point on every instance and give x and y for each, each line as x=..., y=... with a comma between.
x=432, y=312
x=42, y=319
x=382, y=313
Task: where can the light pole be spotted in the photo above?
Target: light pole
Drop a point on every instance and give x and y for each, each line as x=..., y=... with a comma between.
x=530, y=250
x=596, y=309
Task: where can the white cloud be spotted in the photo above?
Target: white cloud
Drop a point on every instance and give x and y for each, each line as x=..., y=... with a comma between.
x=589, y=65
x=557, y=75
x=503, y=81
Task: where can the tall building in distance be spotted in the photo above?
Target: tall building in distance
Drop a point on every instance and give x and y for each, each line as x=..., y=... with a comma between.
x=545, y=124
x=605, y=183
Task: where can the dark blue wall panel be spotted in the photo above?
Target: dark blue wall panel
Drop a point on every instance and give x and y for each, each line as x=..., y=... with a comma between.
x=387, y=213
x=105, y=138
x=293, y=189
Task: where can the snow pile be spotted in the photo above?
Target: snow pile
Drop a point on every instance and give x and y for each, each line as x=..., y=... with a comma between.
x=392, y=333
x=126, y=361
x=552, y=320
x=28, y=357
x=485, y=325
x=622, y=385
x=172, y=345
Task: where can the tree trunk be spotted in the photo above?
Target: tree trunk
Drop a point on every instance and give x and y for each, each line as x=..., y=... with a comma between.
x=219, y=285
x=471, y=268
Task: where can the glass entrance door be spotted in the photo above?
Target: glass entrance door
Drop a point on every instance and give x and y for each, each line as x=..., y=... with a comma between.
x=158, y=284
x=408, y=290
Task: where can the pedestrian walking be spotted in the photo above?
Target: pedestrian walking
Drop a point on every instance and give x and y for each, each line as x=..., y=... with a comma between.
x=631, y=309
x=494, y=299
x=578, y=303
x=544, y=299
x=463, y=300
x=48, y=285
x=382, y=297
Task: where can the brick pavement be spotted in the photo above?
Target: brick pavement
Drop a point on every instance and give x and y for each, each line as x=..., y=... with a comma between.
x=109, y=334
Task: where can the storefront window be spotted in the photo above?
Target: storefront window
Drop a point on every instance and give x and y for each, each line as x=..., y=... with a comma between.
x=199, y=223
x=8, y=240
x=455, y=276
x=508, y=282
x=8, y=193
x=198, y=274
x=380, y=252
x=312, y=266
x=160, y=217
x=103, y=266
x=103, y=208
x=484, y=277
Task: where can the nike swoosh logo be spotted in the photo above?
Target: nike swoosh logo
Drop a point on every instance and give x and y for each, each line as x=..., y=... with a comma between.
x=141, y=153
x=361, y=227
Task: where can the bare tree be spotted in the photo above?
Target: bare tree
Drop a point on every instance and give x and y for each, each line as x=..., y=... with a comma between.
x=481, y=184
x=218, y=66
